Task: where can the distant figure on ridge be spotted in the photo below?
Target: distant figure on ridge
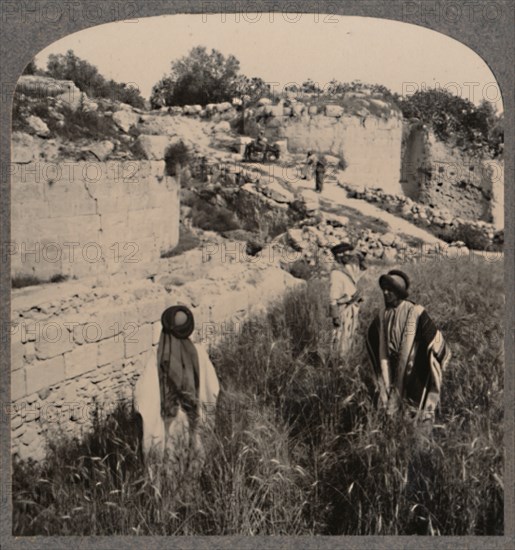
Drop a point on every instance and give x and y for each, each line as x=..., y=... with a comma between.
x=320, y=173
x=408, y=354
x=344, y=295
x=309, y=166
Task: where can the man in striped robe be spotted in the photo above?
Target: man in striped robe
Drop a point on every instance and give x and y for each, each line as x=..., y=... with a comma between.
x=408, y=354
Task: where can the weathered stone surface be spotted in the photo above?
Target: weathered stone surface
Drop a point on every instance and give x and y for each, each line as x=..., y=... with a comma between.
x=112, y=349
x=81, y=360
x=44, y=373
x=125, y=119
x=154, y=147
x=139, y=341
x=101, y=149
x=22, y=148
x=38, y=126
x=333, y=110
x=18, y=388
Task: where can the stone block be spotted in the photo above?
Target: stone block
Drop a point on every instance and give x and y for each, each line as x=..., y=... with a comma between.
x=17, y=352
x=18, y=388
x=43, y=374
x=150, y=310
x=81, y=360
x=54, y=339
x=156, y=332
x=140, y=341
x=112, y=349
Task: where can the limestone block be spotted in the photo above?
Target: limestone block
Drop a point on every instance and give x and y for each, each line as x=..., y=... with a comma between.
x=22, y=148
x=43, y=374
x=140, y=341
x=156, y=332
x=17, y=351
x=387, y=239
x=150, y=310
x=154, y=147
x=298, y=109
x=222, y=126
x=18, y=388
x=312, y=110
x=81, y=360
x=54, y=339
x=38, y=126
x=101, y=149
x=125, y=119
x=112, y=349
x=222, y=107
x=333, y=110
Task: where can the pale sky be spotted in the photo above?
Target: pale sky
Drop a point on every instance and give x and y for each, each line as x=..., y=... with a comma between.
x=401, y=56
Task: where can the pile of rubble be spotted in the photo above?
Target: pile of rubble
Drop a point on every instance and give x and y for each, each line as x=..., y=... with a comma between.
x=478, y=235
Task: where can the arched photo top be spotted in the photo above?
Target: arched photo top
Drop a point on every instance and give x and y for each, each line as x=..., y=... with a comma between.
x=285, y=49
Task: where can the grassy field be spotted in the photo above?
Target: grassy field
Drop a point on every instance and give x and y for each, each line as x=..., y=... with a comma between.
x=298, y=447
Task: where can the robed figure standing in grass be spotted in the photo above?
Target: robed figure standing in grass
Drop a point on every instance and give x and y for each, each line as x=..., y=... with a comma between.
x=408, y=354
x=344, y=295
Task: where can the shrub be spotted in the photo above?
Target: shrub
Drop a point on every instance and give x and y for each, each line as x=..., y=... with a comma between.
x=177, y=156
x=187, y=241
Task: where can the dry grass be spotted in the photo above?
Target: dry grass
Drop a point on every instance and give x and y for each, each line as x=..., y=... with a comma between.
x=298, y=447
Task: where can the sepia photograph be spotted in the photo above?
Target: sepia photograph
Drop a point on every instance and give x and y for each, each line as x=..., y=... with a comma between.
x=257, y=280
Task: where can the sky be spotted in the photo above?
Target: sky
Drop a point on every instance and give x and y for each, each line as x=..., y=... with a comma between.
x=280, y=50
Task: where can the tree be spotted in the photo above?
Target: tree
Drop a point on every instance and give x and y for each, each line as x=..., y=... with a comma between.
x=453, y=118
x=87, y=78
x=30, y=68
x=198, y=78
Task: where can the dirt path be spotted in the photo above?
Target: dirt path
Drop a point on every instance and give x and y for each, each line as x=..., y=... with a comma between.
x=334, y=196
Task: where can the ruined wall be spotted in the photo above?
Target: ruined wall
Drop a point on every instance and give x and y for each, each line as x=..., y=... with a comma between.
x=436, y=174
x=74, y=344
x=370, y=146
x=81, y=219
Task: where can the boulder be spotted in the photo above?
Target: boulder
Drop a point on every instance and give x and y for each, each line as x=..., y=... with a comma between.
x=333, y=110
x=125, y=119
x=389, y=255
x=312, y=110
x=154, y=147
x=264, y=101
x=22, y=148
x=298, y=109
x=296, y=239
x=222, y=126
x=222, y=107
x=387, y=239
x=38, y=126
x=101, y=149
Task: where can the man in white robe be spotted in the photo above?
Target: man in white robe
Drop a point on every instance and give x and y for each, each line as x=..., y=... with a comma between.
x=177, y=392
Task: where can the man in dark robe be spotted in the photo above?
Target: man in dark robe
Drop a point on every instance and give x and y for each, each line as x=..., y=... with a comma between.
x=408, y=354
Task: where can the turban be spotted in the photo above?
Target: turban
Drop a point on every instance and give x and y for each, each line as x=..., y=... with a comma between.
x=178, y=321
x=178, y=363
x=341, y=248
x=397, y=281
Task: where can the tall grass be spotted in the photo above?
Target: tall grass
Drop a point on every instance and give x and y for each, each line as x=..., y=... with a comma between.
x=298, y=447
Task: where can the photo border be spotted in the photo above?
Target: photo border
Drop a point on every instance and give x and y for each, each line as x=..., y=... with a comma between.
x=493, y=40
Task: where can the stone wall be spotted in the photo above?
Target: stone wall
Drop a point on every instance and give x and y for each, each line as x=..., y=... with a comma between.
x=75, y=344
x=370, y=144
x=370, y=147
x=477, y=235
x=434, y=173
x=80, y=219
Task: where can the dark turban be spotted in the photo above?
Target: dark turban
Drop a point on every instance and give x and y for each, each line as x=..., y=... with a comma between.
x=397, y=281
x=178, y=321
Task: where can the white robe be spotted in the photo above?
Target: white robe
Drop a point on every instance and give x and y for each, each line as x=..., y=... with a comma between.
x=173, y=434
